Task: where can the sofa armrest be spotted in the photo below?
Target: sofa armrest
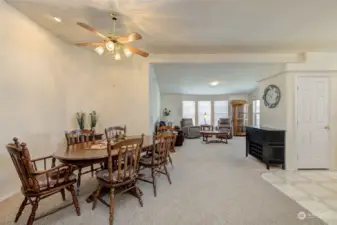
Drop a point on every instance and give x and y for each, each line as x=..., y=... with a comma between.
x=185, y=130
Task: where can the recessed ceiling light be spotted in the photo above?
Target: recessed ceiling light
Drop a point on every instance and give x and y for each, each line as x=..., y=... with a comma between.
x=214, y=83
x=57, y=19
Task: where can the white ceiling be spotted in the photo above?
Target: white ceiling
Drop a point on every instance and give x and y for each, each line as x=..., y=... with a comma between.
x=234, y=78
x=197, y=26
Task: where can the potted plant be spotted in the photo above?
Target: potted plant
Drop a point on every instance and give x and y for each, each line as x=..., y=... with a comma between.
x=80, y=116
x=93, y=119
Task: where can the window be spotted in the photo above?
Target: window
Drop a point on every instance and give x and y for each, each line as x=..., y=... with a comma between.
x=204, y=112
x=189, y=110
x=220, y=111
x=256, y=113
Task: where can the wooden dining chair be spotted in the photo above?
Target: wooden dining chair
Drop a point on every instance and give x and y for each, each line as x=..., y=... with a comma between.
x=80, y=136
x=164, y=129
x=157, y=160
x=39, y=184
x=112, y=132
x=128, y=154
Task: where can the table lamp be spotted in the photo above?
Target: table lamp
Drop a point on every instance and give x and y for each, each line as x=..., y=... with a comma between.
x=205, y=118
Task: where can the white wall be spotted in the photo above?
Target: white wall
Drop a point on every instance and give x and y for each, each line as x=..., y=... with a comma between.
x=45, y=81
x=154, y=99
x=173, y=102
x=273, y=117
x=315, y=61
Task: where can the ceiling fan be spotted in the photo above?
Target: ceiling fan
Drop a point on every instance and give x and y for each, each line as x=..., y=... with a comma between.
x=113, y=43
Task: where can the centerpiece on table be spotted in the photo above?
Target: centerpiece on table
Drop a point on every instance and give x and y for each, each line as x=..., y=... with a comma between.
x=80, y=116
x=93, y=120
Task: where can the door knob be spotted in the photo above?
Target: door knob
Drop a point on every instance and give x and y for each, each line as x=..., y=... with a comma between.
x=327, y=127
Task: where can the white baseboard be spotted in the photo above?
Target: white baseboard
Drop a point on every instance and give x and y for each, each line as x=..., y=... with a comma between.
x=8, y=195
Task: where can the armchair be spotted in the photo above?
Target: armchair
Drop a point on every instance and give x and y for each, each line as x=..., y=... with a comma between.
x=226, y=123
x=40, y=184
x=190, y=131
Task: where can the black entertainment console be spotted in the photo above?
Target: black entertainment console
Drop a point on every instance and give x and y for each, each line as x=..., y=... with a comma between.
x=266, y=144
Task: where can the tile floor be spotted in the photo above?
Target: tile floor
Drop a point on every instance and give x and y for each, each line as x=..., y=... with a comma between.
x=313, y=190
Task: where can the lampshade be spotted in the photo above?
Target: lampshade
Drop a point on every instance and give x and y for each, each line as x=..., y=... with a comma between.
x=117, y=56
x=127, y=52
x=205, y=116
x=110, y=46
x=99, y=50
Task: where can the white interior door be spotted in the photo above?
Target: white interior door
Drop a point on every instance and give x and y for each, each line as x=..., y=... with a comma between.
x=313, y=123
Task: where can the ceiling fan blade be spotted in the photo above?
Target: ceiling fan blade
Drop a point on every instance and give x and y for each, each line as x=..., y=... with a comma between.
x=129, y=38
x=89, y=28
x=90, y=44
x=137, y=51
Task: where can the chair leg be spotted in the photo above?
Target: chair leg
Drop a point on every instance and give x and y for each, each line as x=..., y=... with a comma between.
x=53, y=162
x=167, y=174
x=63, y=194
x=79, y=180
x=22, y=207
x=154, y=182
x=95, y=196
x=92, y=170
x=139, y=195
x=75, y=201
x=35, y=205
x=112, y=205
x=140, y=191
x=170, y=159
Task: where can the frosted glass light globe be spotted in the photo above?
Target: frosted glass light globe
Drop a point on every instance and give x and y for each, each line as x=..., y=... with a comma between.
x=99, y=50
x=127, y=52
x=110, y=46
x=117, y=56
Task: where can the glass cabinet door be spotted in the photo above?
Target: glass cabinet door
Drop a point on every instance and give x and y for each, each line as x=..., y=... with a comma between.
x=240, y=118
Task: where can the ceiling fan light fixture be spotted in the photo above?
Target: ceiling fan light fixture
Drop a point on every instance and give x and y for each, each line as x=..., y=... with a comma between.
x=110, y=46
x=99, y=50
x=127, y=52
x=112, y=43
x=117, y=56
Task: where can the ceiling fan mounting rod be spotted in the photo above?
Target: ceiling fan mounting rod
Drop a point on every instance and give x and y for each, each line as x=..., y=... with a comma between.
x=114, y=19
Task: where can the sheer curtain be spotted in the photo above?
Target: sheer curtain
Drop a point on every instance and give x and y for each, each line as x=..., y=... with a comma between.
x=220, y=111
x=189, y=110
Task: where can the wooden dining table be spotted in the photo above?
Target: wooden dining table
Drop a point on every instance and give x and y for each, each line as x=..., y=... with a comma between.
x=88, y=153
x=82, y=154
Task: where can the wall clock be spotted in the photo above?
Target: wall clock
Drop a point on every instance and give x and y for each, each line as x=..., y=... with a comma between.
x=271, y=96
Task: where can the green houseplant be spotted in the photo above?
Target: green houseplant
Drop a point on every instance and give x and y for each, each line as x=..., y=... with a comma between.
x=93, y=119
x=80, y=116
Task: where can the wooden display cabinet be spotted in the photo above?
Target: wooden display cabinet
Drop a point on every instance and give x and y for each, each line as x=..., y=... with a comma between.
x=239, y=117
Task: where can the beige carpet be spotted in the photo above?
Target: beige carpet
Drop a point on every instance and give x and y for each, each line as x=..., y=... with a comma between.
x=213, y=184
